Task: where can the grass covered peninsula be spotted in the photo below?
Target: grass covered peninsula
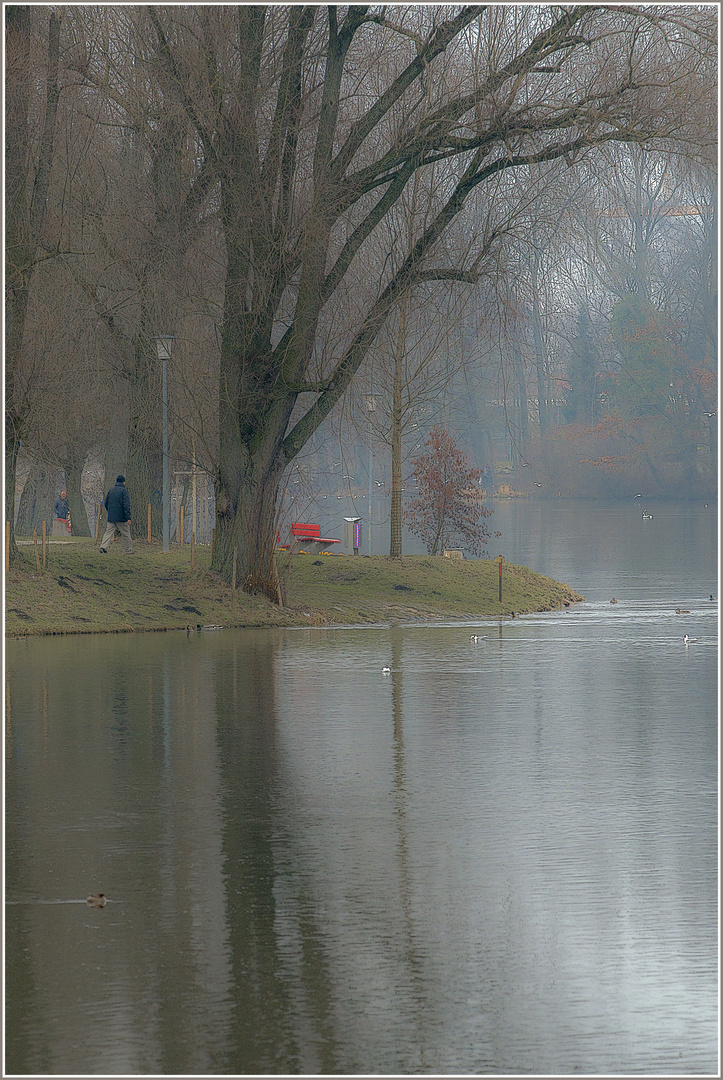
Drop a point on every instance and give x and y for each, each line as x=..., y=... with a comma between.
x=81, y=591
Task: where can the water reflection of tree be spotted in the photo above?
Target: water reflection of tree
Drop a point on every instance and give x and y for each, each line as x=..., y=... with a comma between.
x=412, y=952
x=265, y=1034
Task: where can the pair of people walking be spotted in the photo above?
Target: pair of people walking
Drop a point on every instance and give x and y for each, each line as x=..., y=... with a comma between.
x=118, y=504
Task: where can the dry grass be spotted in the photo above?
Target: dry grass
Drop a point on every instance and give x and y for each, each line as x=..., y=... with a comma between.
x=82, y=591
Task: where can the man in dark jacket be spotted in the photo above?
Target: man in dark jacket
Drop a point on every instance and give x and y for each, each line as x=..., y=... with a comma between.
x=118, y=504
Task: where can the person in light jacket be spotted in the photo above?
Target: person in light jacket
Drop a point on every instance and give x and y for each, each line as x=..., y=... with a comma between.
x=118, y=504
x=62, y=511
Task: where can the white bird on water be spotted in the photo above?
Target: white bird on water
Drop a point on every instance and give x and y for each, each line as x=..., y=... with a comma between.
x=386, y=671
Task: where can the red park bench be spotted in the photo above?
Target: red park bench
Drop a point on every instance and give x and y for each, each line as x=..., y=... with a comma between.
x=308, y=535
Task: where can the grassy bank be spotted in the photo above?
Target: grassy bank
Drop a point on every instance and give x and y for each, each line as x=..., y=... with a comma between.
x=82, y=591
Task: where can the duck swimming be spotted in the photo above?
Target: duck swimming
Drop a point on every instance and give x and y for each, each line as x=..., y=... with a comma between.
x=613, y=601
x=99, y=900
x=386, y=671
x=681, y=611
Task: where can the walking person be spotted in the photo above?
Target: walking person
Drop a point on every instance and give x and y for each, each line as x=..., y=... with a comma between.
x=118, y=504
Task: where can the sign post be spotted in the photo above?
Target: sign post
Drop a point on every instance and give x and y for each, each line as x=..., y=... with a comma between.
x=352, y=533
x=499, y=560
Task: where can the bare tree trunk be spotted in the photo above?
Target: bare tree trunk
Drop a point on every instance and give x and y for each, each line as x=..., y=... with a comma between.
x=25, y=216
x=116, y=450
x=395, y=546
x=144, y=460
x=12, y=447
x=540, y=355
x=37, y=502
x=78, y=514
x=523, y=437
x=246, y=527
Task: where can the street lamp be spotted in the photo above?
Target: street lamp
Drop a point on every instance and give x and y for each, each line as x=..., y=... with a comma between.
x=371, y=404
x=163, y=347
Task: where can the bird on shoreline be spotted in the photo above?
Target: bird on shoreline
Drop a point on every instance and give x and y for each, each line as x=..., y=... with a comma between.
x=99, y=900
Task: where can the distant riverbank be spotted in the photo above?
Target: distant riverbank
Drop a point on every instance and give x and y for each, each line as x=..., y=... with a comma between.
x=82, y=591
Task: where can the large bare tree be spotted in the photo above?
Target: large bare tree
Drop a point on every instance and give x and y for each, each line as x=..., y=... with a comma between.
x=142, y=206
x=317, y=119
x=275, y=143
x=30, y=124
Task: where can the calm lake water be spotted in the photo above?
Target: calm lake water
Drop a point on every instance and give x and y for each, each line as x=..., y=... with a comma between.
x=500, y=858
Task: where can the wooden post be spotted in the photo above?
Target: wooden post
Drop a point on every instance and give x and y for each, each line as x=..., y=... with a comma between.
x=149, y=523
x=37, y=556
x=45, y=541
x=97, y=522
x=193, y=500
x=213, y=538
x=499, y=560
x=180, y=526
x=277, y=583
x=233, y=575
x=7, y=547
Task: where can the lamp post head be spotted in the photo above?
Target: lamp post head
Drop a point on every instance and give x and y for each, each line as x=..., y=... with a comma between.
x=163, y=346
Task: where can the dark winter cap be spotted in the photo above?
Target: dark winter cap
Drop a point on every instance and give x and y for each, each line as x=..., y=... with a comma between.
x=120, y=479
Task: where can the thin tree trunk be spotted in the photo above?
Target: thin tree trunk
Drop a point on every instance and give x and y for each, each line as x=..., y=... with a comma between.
x=116, y=449
x=395, y=547
x=78, y=515
x=522, y=391
x=37, y=501
x=25, y=217
x=438, y=537
x=540, y=353
x=144, y=458
x=12, y=447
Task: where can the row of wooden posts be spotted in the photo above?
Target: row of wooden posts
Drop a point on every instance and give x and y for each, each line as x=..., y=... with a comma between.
x=180, y=526
x=44, y=533
x=35, y=544
x=97, y=535
x=179, y=530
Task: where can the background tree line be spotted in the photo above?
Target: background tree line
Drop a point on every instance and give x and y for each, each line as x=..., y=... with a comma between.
x=473, y=211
